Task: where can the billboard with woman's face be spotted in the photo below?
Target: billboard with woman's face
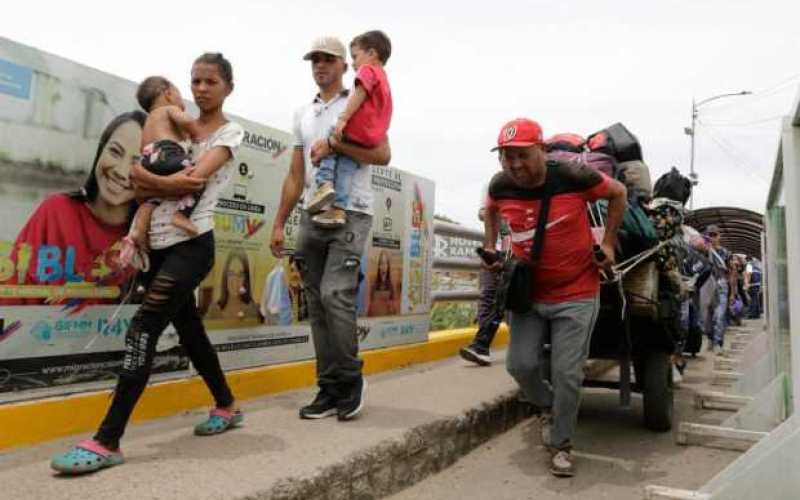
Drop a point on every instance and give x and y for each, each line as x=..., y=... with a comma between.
x=67, y=200
x=71, y=237
x=68, y=137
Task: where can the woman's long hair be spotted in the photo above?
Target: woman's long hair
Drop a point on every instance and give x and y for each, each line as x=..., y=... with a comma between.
x=241, y=256
x=90, y=190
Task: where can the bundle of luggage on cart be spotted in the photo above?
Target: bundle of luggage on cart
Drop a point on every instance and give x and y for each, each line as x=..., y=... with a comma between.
x=639, y=324
x=652, y=246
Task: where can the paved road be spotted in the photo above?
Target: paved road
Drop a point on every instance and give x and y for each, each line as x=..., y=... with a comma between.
x=166, y=462
x=616, y=456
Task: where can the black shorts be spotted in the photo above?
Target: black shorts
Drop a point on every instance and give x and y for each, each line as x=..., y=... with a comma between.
x=167, y=158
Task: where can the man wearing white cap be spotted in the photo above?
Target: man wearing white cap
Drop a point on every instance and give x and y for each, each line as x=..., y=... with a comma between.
x=329, y=259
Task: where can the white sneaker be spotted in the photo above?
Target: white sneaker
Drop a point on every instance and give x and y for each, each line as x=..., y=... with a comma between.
x=676, y=375
x=718, y=350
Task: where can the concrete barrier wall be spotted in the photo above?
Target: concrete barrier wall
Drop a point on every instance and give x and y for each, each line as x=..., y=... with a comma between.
x=65, y=307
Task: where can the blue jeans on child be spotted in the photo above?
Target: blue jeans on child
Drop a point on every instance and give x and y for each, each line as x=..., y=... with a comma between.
x=338, y=169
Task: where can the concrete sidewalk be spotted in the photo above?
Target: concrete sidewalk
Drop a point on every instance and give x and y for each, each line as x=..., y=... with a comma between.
x=416, y=422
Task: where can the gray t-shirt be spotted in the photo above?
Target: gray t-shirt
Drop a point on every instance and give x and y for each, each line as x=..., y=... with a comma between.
x=162, y=233
x=315, y=121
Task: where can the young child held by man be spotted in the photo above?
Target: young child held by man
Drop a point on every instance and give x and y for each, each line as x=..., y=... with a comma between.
x=166, y=135
x=364, y=121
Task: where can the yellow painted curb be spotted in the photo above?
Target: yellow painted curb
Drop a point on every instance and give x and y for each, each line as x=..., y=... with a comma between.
x=33, y=422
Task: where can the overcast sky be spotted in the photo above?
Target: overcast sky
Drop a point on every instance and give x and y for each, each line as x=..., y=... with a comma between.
x=460, y=69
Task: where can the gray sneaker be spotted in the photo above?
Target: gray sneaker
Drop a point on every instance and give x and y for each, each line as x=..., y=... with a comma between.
x=322, y=198
x=330, y=218
x=562, y=464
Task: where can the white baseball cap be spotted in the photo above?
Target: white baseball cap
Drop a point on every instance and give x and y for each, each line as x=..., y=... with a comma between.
x=327, y=45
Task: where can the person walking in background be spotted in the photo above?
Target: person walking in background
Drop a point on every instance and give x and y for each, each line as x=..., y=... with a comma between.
x=697, y=268
x=752, y=286
x=739, y=298
x=489, y=314
x=723, y=276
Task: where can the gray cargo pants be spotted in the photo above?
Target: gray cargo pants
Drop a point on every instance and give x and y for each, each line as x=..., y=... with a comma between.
x=569, y=327
x=329, y=262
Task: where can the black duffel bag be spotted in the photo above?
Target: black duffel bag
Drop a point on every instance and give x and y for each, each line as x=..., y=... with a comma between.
x=674, y=186
x=514, y=288
x=616, y=141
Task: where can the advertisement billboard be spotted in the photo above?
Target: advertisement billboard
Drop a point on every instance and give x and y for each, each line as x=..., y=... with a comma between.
x=65, y=303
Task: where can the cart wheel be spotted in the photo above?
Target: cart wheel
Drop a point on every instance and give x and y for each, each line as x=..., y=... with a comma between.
x=657, y=391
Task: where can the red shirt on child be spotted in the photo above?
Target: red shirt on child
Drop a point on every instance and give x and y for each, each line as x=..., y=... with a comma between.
x=369, y=124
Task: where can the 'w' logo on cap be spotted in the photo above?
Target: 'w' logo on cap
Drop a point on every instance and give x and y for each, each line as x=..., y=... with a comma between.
x=509, y=133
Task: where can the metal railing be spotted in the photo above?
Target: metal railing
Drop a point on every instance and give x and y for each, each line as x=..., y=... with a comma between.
x=468, y=264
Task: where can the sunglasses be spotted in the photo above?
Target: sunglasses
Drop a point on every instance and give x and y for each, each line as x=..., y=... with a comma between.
x=713, y=234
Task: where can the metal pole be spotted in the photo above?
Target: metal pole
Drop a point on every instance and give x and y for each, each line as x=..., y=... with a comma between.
x=691, y=132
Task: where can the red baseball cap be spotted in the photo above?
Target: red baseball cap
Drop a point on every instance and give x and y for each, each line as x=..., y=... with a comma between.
x=521, y=132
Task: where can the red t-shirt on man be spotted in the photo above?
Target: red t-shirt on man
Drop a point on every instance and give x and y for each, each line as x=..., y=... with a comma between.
x=368, y=126
x=565, y=271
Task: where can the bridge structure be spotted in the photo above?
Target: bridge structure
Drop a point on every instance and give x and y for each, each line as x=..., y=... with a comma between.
x=741, y=229
x=759, y=375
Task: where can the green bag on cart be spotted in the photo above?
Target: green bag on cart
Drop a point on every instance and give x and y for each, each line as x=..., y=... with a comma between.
x=637, y=232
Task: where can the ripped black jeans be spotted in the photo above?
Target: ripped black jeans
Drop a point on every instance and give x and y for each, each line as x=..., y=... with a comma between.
x=329, y=262
x=174, y=274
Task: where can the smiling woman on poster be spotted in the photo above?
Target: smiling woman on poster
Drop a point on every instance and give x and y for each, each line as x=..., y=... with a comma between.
x=383, y=298
x=71, y=237
x=235, y=290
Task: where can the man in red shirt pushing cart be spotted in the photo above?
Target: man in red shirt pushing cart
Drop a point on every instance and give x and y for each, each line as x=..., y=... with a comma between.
x=565, y=281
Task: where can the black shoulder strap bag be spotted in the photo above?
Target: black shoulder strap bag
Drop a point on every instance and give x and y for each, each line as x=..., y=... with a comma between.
x=514, y=290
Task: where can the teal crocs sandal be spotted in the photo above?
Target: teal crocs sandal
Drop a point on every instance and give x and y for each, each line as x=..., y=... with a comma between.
x=86, y=456
x=219, y=421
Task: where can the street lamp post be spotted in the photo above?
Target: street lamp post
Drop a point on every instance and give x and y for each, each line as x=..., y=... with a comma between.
x=690, y=131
